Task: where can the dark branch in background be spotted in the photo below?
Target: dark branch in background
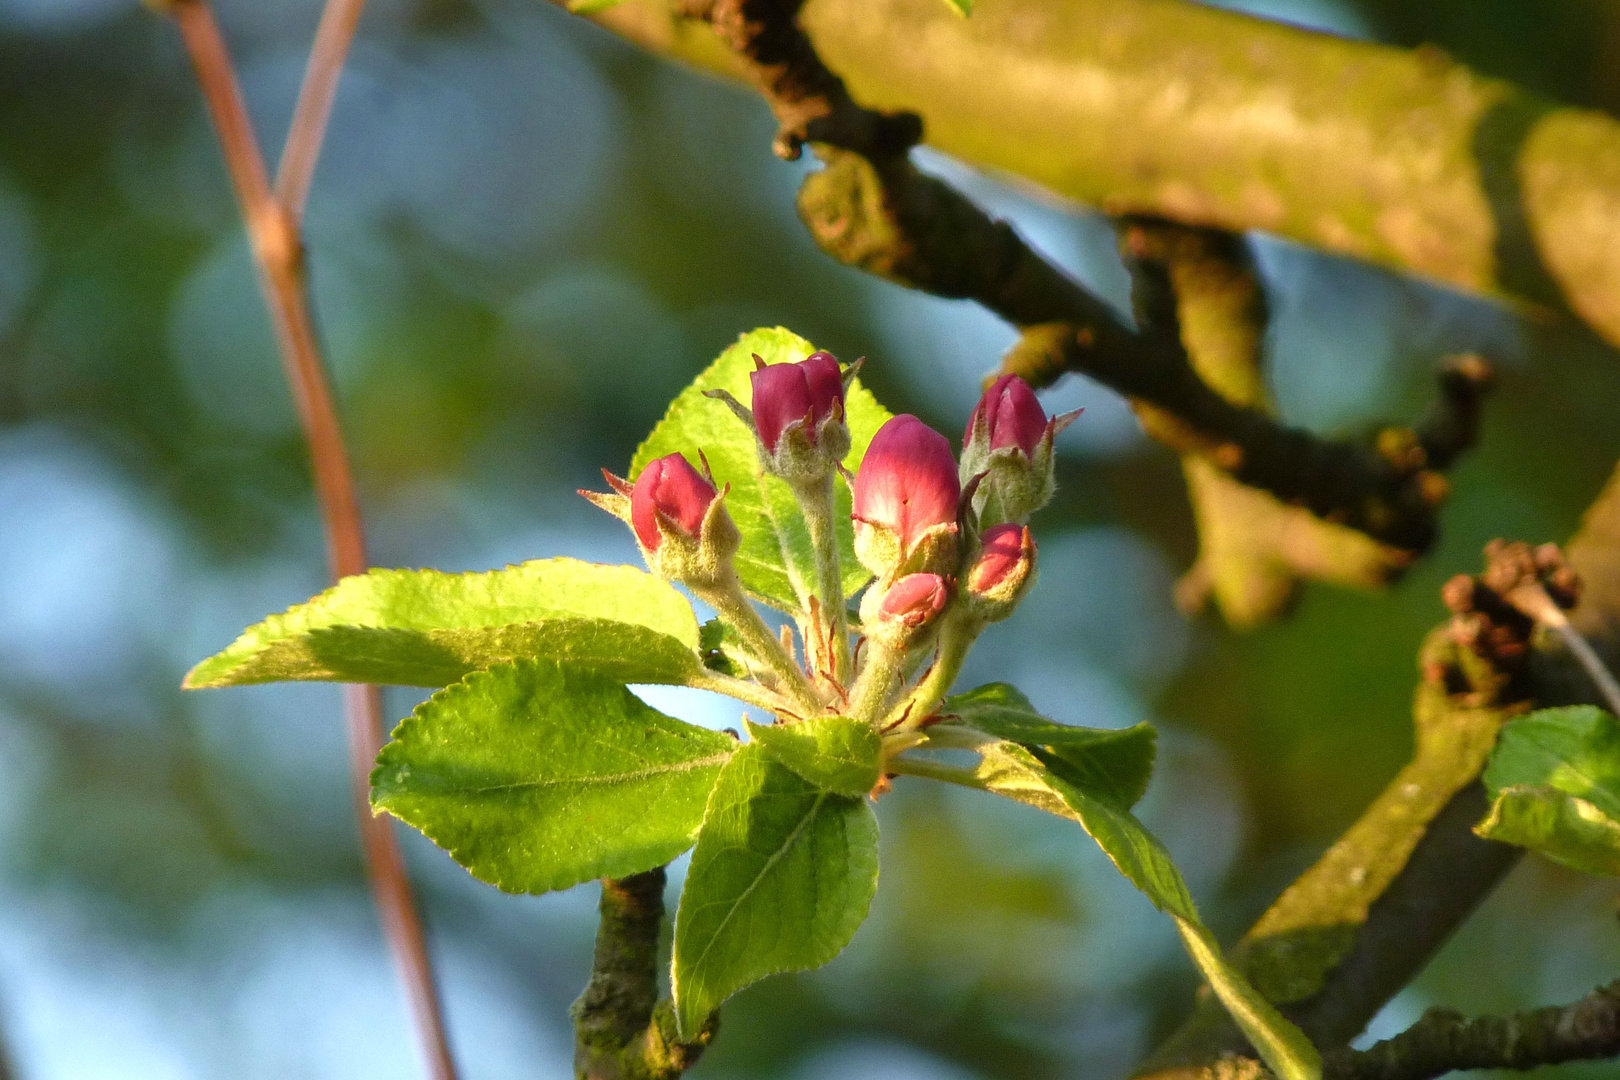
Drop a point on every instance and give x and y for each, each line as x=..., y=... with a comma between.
x=872, y=208
x=1443, y=1041
x=278, y=251
x=621, y=1030
x=1361, y=923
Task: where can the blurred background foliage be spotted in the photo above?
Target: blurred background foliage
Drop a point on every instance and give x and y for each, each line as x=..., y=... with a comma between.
x=526, y=237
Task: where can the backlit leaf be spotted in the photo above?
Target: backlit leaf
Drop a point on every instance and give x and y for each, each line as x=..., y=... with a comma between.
x=426, y=628
x=782, y=877
x=838, y=753
x=1111, y=764
x=536, y=776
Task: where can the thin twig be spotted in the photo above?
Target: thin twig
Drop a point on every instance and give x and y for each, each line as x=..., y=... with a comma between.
x=278, y=255
x=315, y=97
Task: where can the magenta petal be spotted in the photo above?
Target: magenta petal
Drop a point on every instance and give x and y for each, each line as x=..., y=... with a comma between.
x=671, y=486
x=907, y=481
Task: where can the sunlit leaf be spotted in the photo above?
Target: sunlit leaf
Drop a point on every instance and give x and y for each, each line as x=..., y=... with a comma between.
x=1554, y=778
x=426, y=628
x=536, y=776
x=1111, y=764
x=776, y=562
x=963, y=8
x=837, y=753
x=1559, y=825
x=782, y=876
x=1014, y=771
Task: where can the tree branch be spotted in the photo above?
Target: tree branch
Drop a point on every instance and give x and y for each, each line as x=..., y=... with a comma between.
x=1208, y=117
x=278, y=253
x=1444, y=1041
x=871, y=208
x=621, y=1030
x=299, y=153
x=1365, y=919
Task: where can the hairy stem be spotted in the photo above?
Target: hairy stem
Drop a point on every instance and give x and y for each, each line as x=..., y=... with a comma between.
x=956, y=639
x=880, y=673
x=727, y=599
x=278, y=254
x=816, y=500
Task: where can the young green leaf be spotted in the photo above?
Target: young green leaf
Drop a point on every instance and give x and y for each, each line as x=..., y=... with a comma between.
x=781, y=879
x=536, y=776
x=836, y=753
x=1111, y=764
x=426, y=628
x=1011, y=770
x=1561, y=826
x=1554, y=777
x=963, y=8
x=776, y=561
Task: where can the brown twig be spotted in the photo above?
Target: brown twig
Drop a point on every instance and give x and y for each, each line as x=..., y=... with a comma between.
x=278, y=254
x=1444, y=1041
x=303, y=146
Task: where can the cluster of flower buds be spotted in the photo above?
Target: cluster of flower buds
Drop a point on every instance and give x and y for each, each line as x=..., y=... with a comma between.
x=939, y=536
x=679, y=518
x=1008, y=448
x=797, y=416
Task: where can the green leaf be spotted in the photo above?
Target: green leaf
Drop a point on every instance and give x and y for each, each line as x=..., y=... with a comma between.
x=1561, y=826
x=835, y=753
x=536, y=776
x=722, y=649
x=776, y=561
x=963, y=8
x=1554, y=777
x=1111, y=764
x=1575, y=749
x=782, y=877
x=426, y=628
x=1011, y=770
x=591, y=7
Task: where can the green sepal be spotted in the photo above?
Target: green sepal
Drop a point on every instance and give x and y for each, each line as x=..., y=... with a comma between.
x=1554, y=780
x=1112, y=764
x=835, y=753
x=427, y=628
x=536, y=776
x=776, y=561
x=782, y=877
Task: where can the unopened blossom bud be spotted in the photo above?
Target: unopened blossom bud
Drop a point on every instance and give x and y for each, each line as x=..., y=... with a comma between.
x=905, y=610
x=669, y=488
x=1008, y=443
x=678, y=517
x=797, y=416
x=1002, y=573
x=809, y=393
x=905, y=501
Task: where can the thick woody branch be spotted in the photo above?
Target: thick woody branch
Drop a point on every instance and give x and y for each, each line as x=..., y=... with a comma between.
x=872, y=209
x=1183, y=111
x=1364, y=920
x=621, y=1030
x=1444, y=1041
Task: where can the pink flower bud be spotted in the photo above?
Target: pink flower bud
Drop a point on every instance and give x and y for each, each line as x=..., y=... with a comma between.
x=1003, y=571
x=669, y=486
x=913, y=600
x=907, y=482
x=1012, y=416
x=810, y=390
